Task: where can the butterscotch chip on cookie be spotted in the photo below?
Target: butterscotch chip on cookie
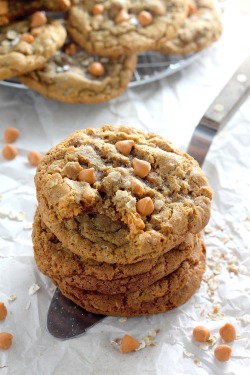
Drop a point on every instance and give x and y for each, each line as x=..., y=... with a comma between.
x=55, y=261
x=74, y=76
x=165, y=294
x=23, y=50
x=201, y=28
x=11, y=10
x=114, y=28
x=100, y=221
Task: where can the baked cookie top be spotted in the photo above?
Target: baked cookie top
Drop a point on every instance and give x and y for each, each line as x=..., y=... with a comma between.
x=11, y=10
x=201, y=28
x=74, y=76
x=117, y=27
x=26, y=45
x=118, y=187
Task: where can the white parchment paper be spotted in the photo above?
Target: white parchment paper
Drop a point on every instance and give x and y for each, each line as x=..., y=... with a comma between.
x=171, y=107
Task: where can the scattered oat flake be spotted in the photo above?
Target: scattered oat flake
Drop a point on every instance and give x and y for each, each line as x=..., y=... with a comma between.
x=208, y=230
x=213, y=283
x=188, y=354
x=27, y=226
x=27, y=305
x=123, y=319
x=245, y=319
x=33, y=289
x=204, y=346
x=1, y=197
x=141, y=346
x=12, y=298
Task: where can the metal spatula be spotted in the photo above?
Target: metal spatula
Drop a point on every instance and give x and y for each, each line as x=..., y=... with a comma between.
x=66, y=319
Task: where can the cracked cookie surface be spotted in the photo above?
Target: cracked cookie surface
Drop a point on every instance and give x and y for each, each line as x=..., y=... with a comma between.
x=201, y=28
x=24, y=48
x=165, y=294
x=100, y=218
x=124, y=27
x=54, y=260
x=74, y=76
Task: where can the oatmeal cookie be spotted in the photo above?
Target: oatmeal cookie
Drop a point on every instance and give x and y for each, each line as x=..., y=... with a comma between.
x=119, y=195
x=54, y=260
x=74, y=76
x=11, y=10
x=201, y=28
x=24, y=46
x=115, y=27
x=165, y=294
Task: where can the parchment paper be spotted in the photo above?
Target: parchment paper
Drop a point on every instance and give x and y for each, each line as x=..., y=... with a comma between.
x=171, y=107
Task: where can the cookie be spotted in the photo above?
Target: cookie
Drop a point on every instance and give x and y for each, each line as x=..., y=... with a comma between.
x=54, y=260
x=201, y=28
x=166, y=294
x=119, y=195
x=74, y=76
x=11, y=10
x=114, y=28
x=25, y=45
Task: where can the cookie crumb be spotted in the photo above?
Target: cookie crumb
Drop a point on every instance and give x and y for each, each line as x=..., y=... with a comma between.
x=33, y=289
x=12, y=298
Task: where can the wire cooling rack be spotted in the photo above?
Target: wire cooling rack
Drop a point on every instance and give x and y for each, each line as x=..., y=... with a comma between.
x=151, y=66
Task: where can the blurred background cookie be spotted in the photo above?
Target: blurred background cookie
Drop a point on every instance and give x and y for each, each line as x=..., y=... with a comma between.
x=26, y=45
x=74, y=76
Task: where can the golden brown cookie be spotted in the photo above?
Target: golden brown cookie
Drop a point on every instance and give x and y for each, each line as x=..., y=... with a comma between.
x=54, y=260
x=201, y=28
x=119, y=195
x=74, y=76
x=115, y=27
x=10, y=10
x=26, y=45
x=166, y=294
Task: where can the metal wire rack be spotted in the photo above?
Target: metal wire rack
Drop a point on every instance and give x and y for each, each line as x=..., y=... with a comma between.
x=151, y=66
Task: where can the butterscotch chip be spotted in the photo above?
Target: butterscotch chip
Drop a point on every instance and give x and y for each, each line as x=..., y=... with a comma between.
x=201, y=333
x=145, y=206
x=9, y=152
x=192, y=8
x=5, y=340
x=145, y=18
x=87, y=175
x=223, y=353
x=34, y=158
x=3, y=311
x=122, y=16
x=137, y=188
x=11, y=134
x=38, y=19
x=97, y=9
x=228, y=332
x=96, y=69
x=29, y=38
x=128, y=344
x=141, y=167
x=71, y=49
x=125, y=147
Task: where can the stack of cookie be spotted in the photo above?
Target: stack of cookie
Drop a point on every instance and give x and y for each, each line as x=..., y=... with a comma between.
x=90, y=55
x=119, y=220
